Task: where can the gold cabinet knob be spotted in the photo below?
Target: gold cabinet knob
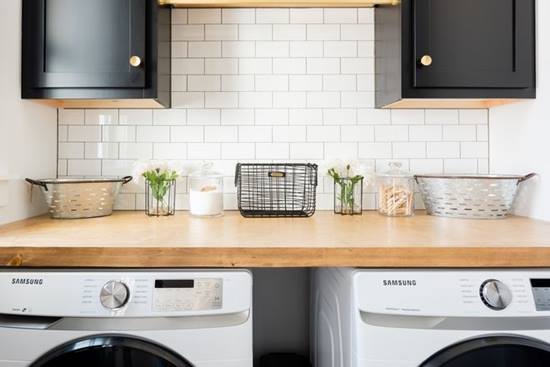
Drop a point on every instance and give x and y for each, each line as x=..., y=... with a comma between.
x=426, y=60
x=135, y=61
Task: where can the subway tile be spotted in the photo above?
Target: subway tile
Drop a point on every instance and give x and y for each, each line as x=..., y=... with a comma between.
x=358, y=65
x=169, y=117
x=83, y=167
x=271, y=82
x=323, y=32
x=365, y=48
x=443, y=150
x=221, y=99
x=221, y=66
x=323, y=66
x=71, y=117
x=306, y=116
x=258, y=134
x=339, y=150
x=357, y=133
x=482, y=132
x=179, y=16
x=62, y=133
x=271, y=116
x=340, y=15
x=358, y=32
x=272, y=49
x=125, y=202
x=391, y=133
x=375, y=150
x=187, y=66
x=357, y=99
x=306, y=15
x=187, y=32
x=204, y=151
x=473, y=116
x=101, y=117
x=305, y=82
x=483, y=166
x=62, y=167
x=467, y=166
x=425, y=133
x=459, y=133
x=153, y=134
x=340, y=49
x=339, y=116
x=217, y=134
x=306, y=48
x=255, y=66
x=289, y=99
x=365, y=82
x=255, y=99
x=238, y=16
x=206, y=116
x=187, y=99
x=238, y=49
x=289, y=32
x=71, y=150
x=110, y=167
x=136, y=117
x=408, y=117
x=204, y=16
x=78, y=133
x=365, y=15
x=221, y=32
x=101, y=151
x=306, y=151
x=289, y=133
x=186, y=134
x=179, y=49
x=409, y=150
x=272, y=15
x=170, y=151
x=205, y=49
x=119, y=133
x=237, y=83
x=474, y=150
x=238, y=150
x=371, y=116
x=179, y=83
x=136, y=150
x=339, y=82
x=255, y=32
x=272, y=151
x=323, y=133
x=440, y=117
x=323, y=99
x=237, y=116
x=426, y=166
x=289, y=66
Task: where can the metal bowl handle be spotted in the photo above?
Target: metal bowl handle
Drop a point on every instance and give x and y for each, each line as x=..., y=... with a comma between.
x=126, y=179
x=37, y=183
x=526, y=177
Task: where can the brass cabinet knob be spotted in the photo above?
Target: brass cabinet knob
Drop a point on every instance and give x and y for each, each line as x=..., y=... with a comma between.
x=426, y=60
x=135, y=61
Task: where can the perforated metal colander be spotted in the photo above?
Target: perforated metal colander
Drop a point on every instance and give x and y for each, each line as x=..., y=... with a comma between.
x=469, y=196
x=70, y=198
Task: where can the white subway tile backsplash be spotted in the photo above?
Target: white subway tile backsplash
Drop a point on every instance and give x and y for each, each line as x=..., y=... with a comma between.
x=271, y=85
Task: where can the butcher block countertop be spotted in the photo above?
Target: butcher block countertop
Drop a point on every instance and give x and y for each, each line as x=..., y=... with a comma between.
x=131, y=239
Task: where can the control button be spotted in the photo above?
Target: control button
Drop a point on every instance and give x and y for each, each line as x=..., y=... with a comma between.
x=114, y=294
x=495, y=294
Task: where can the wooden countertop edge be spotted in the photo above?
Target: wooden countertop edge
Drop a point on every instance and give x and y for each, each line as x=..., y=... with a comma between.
x=231, y=257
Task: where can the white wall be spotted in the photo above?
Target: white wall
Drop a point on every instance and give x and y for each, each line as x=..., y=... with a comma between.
x=519, y=138
x=27, y=130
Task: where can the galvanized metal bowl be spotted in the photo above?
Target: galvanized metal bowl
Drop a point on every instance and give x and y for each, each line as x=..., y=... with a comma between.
x=72, y=198
x=469, y=196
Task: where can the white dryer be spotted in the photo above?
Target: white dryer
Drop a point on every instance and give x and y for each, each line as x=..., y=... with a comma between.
x=158, y=318
x=430, y=318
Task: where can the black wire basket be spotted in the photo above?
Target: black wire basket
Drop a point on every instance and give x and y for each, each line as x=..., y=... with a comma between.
x=276, y=189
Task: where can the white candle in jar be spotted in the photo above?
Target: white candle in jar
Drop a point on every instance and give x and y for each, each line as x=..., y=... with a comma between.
x=208, y=201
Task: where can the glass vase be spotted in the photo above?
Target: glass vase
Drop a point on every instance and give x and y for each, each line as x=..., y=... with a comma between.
x=348, y=196
x=160, y=198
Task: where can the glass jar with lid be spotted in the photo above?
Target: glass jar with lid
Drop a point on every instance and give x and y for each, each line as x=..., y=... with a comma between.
x=206, y=193
x=395, y=192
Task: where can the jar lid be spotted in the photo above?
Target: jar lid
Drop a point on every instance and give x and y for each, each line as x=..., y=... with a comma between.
x=395, y=171
x=206, y=171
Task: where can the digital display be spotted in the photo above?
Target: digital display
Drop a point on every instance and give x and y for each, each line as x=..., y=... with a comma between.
x=541, y=293
x=174, y=283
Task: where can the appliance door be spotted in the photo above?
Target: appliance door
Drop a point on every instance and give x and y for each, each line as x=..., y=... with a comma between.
x=496, y=350
x=111, y=350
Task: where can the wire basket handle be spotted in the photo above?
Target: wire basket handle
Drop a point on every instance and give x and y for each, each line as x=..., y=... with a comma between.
x=526, y=177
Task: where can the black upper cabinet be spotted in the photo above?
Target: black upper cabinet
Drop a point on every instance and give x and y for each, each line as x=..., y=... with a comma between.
x=82, y=50
x=455, y=49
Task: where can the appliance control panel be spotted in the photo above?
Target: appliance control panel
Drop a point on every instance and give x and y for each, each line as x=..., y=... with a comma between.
x=458, y=293
x=125, y=294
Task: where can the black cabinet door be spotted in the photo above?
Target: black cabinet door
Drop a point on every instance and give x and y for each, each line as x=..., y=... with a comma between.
x=473, y=43
x=84, y=43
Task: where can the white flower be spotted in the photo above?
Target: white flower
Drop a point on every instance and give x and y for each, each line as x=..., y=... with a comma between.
x=347, y=167
x=142, y=167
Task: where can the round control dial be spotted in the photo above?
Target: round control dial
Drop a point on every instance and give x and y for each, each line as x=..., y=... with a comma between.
x=114, y=294
x=495, y=294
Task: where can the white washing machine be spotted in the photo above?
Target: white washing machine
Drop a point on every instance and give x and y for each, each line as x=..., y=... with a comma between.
x=430, y=318
x=158, y=318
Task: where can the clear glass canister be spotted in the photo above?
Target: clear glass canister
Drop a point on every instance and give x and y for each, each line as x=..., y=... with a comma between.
x=395, y=192
x=206, y=193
